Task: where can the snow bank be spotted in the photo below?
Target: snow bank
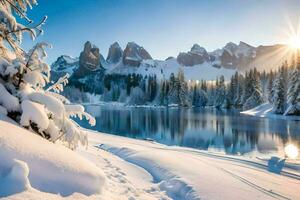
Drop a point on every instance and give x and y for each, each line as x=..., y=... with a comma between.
x=15, y=180
x=265, y=110
x=261, y=111
x=52, y=167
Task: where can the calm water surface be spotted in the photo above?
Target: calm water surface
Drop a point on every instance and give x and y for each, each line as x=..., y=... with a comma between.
x=200, y=128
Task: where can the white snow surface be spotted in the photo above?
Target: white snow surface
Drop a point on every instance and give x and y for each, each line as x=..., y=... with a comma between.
x=114, y=167
x=31, y=162
x=163, y=69
x=265, y=110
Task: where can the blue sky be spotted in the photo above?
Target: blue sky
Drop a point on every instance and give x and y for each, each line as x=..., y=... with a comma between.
x=163, y=27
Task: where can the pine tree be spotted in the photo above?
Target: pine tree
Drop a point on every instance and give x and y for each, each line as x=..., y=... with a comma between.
x=220, y=92
x=270, y=88
x=239, y=91
x=178, y=93
x=279, y=100
x=199, y=96
x=293, y=94
x=256, y=97
x=137, y=96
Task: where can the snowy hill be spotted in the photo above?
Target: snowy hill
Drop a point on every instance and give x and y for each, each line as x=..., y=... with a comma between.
x=163, y=69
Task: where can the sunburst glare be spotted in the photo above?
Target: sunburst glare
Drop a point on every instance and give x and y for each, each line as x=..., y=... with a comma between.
x=294, y=42
x=291, y=151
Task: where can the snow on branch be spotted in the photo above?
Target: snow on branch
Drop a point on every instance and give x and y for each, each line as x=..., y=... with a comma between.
x=24, y=76
x=59, y=85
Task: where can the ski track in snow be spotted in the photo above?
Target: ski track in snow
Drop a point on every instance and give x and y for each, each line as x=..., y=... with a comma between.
x=118, y=184
x=264, y=190
x=176, y=187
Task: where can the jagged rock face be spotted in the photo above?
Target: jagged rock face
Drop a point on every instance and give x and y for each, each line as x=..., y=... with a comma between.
x=115, y=53
x=89, y=60
x=237, y=56
x=134, y=54
x=228, y=60
x=64, y=62
x=197, y=55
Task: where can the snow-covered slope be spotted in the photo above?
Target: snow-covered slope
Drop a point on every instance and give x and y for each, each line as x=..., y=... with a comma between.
x=30, y=162
x=163, y=69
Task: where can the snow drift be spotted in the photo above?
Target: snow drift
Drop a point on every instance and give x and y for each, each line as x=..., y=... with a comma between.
x=27, y=161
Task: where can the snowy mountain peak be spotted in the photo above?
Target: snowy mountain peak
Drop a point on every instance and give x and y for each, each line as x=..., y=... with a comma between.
x=63, y=62
x=134, y=54
x=241, y=50
x=230, y=47
x=197, y=49
x=197, y=55
x=244, y=44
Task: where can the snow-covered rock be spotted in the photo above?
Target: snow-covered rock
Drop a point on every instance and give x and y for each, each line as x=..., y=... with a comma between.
x=197, y=55
x=89, y=60
x=115, y=53
x=134, y=54
x=63, y=65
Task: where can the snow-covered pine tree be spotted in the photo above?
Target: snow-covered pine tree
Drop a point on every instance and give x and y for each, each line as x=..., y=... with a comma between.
x=220, y=92
x=163, y=93
x=239, y=91
x=24, y=76
x=279, y=99
x=293, y=93
x=232, y=91
x=137, y=96
x=199, y=96
x=203, y=85
x=178, y=92
x=247, y=89
x=256, y=97
x=270, y=88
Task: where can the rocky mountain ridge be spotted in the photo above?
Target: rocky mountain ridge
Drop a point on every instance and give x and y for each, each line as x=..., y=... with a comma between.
x=136, y=59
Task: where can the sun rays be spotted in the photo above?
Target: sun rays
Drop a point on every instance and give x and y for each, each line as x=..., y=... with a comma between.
x=288, y=51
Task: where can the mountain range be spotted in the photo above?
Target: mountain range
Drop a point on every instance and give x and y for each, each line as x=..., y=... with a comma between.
x=197, y=63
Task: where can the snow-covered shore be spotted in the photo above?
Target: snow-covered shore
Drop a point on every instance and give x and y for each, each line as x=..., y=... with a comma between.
x=265, y=110
x=114, y=167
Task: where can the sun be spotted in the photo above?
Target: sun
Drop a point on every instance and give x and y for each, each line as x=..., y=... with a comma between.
x=291, y=151
x=294, y=42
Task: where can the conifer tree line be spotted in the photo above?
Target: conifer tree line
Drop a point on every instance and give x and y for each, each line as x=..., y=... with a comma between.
x=243, y=91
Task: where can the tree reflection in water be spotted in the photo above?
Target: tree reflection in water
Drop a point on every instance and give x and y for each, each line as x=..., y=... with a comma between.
x=201, y=128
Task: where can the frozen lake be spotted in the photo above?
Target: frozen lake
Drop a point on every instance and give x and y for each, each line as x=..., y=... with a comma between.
x=227, y=131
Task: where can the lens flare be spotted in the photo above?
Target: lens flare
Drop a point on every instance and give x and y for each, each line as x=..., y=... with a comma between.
x=294, y=42
x=291, y=151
